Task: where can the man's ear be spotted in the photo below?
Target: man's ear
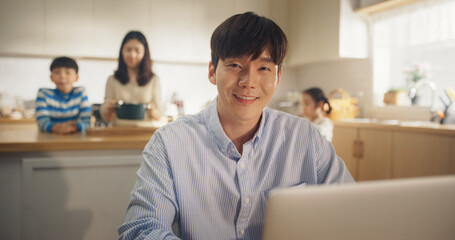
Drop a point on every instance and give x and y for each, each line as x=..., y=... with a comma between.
x=212, y=76
x=278, y=78
x=77, y=77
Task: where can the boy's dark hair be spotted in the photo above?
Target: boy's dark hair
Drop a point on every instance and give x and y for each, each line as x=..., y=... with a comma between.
x=248, y=34
x=145, y=66
x=64, y=62
x=318, y=95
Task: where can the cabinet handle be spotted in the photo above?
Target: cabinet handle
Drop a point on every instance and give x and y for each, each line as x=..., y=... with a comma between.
x=358, y=149
x=354, y=149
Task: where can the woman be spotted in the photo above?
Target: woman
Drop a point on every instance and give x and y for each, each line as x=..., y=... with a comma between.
x=133, y=82
x=315, y=107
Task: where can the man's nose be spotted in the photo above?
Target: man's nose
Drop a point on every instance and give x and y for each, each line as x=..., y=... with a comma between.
x=249, y=78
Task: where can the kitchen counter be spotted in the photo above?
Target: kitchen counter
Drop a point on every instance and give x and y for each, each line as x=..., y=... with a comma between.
x=27, y=137
x=30, y=139
x=374, y=149
x=404, y=126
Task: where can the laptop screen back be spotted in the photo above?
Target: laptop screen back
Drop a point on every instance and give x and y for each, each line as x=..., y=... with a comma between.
x=419, y=208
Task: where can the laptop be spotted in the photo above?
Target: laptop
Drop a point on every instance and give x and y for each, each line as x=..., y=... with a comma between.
x=415, y=208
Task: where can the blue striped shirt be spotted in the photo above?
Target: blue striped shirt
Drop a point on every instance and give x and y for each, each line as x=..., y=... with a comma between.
x=53, y=106
x=194, y=177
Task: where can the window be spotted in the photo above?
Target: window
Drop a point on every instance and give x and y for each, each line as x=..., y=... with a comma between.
x=423, y=34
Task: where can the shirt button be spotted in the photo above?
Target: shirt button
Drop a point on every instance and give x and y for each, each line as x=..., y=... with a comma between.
x=242, y=231
x=242, y=165
x=247, y=200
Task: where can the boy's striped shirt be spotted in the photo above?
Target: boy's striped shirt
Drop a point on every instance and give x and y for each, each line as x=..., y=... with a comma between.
x=53, y=106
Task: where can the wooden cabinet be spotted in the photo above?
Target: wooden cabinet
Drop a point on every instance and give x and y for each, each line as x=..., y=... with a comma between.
x=420, y=154
x=373, y=152
x=344, y=141
x=366, y=152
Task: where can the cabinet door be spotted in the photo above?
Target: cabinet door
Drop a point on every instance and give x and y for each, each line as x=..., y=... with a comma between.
x=82, y=197
x=375, y=160
x=422, y=154
x=343, y=142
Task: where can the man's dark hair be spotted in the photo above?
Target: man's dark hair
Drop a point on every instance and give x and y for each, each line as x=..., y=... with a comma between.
x=145, y=72
x=248, y=34
x=64, y=62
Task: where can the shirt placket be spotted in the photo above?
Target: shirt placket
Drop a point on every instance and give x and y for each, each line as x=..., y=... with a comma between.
x=245, y=193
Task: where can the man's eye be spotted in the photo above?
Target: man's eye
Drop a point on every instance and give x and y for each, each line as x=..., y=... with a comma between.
x=264, y=69
x=234, y=65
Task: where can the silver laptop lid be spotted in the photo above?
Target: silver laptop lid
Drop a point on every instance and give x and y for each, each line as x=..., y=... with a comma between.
x=418, y=208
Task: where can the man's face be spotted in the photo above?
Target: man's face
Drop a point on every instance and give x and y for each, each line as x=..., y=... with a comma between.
x=64, y=78
x=244, y=86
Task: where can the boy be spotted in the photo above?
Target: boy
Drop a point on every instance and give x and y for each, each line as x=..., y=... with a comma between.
x=66, y=109
x=209, y=174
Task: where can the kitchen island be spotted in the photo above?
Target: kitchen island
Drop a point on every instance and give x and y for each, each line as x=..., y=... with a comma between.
x=29, y=139
x=75, y=186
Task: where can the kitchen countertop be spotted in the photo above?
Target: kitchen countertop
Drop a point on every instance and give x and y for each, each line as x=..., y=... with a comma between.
x=30, y=139
x=407, y=126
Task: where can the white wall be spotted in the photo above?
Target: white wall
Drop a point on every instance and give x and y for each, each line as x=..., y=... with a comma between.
x=32, y=32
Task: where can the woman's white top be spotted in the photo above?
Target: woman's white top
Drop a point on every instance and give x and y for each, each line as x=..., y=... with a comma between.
x=133, y=93
x=325, y=127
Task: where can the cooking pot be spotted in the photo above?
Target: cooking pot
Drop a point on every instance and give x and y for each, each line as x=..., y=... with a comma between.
x=131, y=111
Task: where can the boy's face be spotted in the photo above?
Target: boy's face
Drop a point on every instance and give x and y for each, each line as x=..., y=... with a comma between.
x=244, y=86
x=64, y=78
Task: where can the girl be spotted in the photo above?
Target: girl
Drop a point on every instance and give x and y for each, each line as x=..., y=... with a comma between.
x=133, y=82
x=315, y=107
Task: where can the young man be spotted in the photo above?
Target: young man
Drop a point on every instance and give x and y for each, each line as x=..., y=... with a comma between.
x=65, y=109
x=210, y=173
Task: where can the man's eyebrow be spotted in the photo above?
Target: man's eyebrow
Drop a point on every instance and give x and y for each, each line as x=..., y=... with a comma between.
x=266, y=59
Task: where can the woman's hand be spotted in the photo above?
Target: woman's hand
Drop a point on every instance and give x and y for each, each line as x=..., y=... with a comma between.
x=152, y=112
x=110, y=110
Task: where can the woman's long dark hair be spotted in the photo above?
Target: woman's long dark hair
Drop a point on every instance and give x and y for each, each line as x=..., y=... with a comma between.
x=145, y=72
x=318, y=95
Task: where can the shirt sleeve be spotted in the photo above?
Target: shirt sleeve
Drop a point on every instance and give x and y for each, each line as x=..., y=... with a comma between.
x=42, y=112
x=156, y=97
x=153, y=207
x=330, y=168
x=85, y=113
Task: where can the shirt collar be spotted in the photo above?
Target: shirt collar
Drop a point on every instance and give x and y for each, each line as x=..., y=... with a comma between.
x=220, y=137
x=57, y=92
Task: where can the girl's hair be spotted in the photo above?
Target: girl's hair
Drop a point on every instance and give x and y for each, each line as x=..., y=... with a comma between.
x=318, y=95
x=145, y=72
